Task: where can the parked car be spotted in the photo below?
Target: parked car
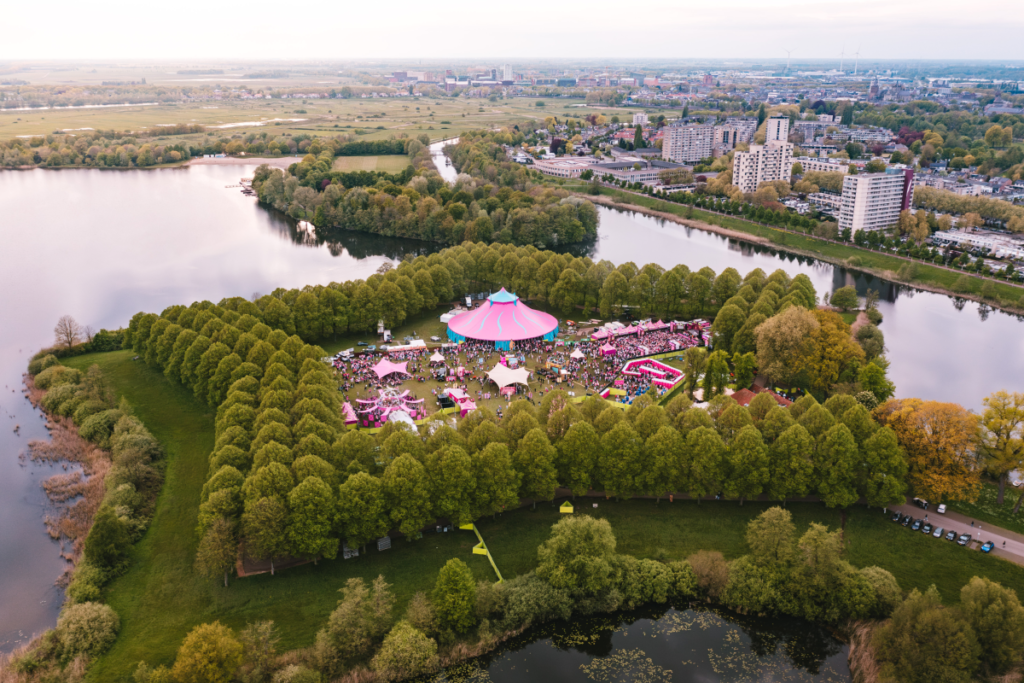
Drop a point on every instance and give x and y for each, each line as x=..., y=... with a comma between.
x=921, y=503
x=907, y=519
x=916, y=526
x=361, y=344
x=941, y=509
x=898, y=517
x=435, y=339
x=987, y=547
x=951, y=536
x=939, y=531
x=964, y=539
x=927, y=528
x=371, y=347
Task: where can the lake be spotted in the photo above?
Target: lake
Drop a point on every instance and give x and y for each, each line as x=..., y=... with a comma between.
x=103, y=245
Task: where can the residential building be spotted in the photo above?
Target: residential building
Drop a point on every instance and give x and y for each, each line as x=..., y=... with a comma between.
x=777, y=129
x=688, y=144
x=817, y=164
x=998, y=245
x=744, y=127
x=763, y=163
x=873, y=201
x=640, y=119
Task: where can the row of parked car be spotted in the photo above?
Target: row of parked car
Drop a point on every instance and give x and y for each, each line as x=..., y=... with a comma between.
x=936, y=531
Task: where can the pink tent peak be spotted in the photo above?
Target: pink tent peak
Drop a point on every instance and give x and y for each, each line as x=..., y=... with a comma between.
x=386, y=367
x=503, y=317
x=348, y=413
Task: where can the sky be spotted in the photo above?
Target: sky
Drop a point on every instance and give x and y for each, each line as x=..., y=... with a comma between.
x=526, y=29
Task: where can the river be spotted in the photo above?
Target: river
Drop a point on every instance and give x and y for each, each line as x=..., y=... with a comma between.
x=102, y=245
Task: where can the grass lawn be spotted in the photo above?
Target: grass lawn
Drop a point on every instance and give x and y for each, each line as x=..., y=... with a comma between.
x=160, y=598
x=389, y=163
x=988, y=510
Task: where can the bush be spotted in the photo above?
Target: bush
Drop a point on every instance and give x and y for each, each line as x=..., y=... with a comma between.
x=531, y=600
x=86, y=584
x=87, y=409
x=98, y=427
x=873, y=315
x=87, y=628
x=711, y=571
x=888, y=595
x=296, y=673
x=57, y=396
x=56, y=375
x=405, y=653
x=108, y=541
x=37, y=365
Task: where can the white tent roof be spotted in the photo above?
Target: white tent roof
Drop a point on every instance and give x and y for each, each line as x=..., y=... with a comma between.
x=437, y=358
x=576, y=354
x=504, y=376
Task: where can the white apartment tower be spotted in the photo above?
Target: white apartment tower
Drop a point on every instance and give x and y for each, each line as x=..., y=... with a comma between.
x=640, y=119
x=688, y=144
x=506, y=72
x=777, y=129
x=873, y=201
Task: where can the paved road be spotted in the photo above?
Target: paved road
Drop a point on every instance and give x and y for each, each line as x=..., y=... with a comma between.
x=1009, y=545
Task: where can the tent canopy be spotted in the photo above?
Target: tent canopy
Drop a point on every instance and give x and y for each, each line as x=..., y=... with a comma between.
x=607, y=349
x=504, y=376
x=502, y=318
x=386, y=367
x=437, y=358
x=576, y=354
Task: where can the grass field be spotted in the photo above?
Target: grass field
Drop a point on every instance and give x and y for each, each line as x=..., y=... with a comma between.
x=160, y=598
x=389, y=163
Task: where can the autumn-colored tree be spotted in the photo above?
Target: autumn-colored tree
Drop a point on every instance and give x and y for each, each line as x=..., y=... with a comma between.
x=832, y=350
x=784, y=343
x=1002, y=436
x=941, y=445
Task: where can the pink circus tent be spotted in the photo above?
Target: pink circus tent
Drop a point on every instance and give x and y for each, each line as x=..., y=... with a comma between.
x=386, y=367
x=501, y=319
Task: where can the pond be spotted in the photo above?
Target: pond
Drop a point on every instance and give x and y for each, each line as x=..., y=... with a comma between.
x=103, y=245
x=697, y=645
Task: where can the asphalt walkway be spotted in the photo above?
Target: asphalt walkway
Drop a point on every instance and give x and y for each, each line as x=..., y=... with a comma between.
x=1009, y=544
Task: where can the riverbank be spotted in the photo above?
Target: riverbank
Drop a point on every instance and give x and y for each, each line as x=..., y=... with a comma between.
x=161, y=597
x=926, y=277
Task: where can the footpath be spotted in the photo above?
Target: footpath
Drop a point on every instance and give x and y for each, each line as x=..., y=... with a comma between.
x=1009, y=544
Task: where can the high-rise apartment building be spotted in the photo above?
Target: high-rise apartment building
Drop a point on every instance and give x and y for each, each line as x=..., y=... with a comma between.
x=687, y=144
x=763, y=163
x=506, y=72
x=745, y=128
x=640, y=119
x=777, y=129
x=873, y=201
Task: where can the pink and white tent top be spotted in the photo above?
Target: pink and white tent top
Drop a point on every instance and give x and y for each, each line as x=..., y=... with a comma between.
x=466, y=407
x=349, y=413
x=458, y=394
x=437, y=358
x=577, y=354
x=386, y=367
x=503, y=317
x=607, y=349
x=504, y=376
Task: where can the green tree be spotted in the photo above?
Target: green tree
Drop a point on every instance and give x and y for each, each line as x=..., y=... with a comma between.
x=452, y=484
x=706, y=458
x=577, y=456
x=108, y=541
x=210, y=653
x=997, y=618
x=695, y=360
x=265, y=525
x=578, y=556
x=666, y=471
x=835, y=465
x=405, y=653
x=790, y=468
x=534, y=461
x=926, y=642
x=622, y=461
x=845, y=298
x=727, y=323
x=454, y=597
x=884, y=470
x=407, y=490
x=748, y=465
x=744, y=365
x=362, y=510
x=218, y=550
x=497, y=482
x=872, y=378
x=716, y=374
x=772, y=536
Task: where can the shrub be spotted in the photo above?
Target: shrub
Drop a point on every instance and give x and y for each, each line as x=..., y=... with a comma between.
x=87, y=628
x=711, y=571
x=37, y=365
x=86, y=584
x=296, y=673
x=98, y=427
x=529, y=600
x=874, y=316
x=108, y=541
x=405, y=653
x=57, y=396
x=56, y=375
x=888, y=595
x=87, y=409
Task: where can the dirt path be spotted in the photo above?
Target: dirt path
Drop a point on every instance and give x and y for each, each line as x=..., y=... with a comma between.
x=861, y=321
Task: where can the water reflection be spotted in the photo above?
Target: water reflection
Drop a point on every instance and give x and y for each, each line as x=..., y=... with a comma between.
x=686, y=645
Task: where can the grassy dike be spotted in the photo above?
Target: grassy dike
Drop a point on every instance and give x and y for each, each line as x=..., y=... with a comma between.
x=160, y=598
x=927, y=276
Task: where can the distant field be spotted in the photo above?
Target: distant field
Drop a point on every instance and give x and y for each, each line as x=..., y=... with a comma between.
x=371, y=119
x=393, y=163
